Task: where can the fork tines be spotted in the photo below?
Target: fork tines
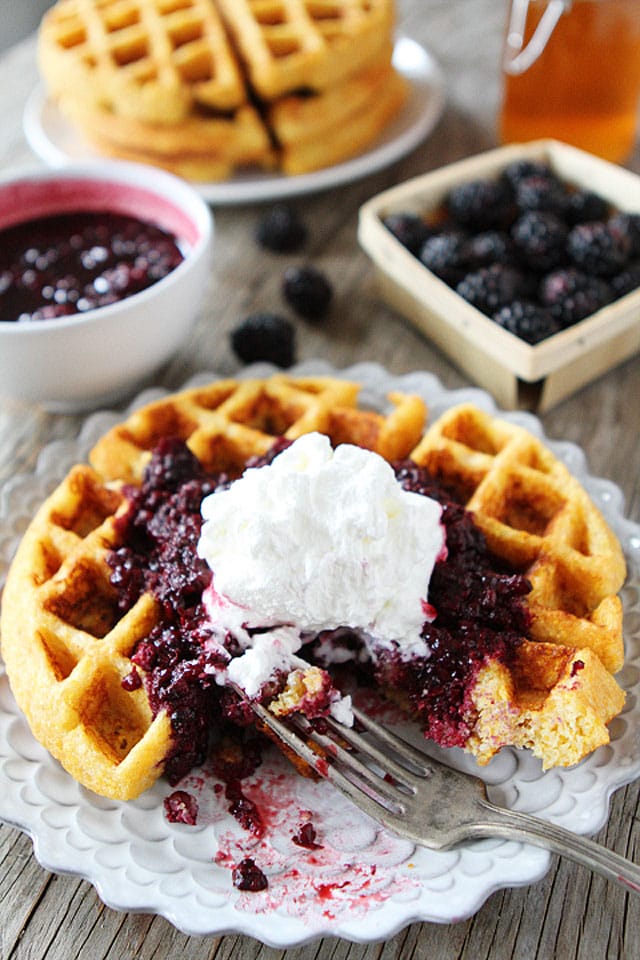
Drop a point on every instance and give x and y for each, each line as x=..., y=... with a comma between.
x=374, y=765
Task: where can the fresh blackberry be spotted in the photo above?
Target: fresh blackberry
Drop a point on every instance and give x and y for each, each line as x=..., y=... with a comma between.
x=307, y=290
x=527, y=320
x=629, y=225
x=281, y=230
x=540, y=238
x=585, y=205
x=410, y=229
x=598, y=248
x=540, y=192
x=492, y=287
x=445, y=255
x=519, y=170
x=572, y=295
x=491, y=246
x=264, y=336
x=627, y=280
x=478, y=204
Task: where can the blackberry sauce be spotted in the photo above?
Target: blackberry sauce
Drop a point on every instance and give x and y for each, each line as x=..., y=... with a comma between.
x=159, y=535
x=480, y=616
x=306, y=837
x=181, y=807
x=249, y=877
x=73, y=262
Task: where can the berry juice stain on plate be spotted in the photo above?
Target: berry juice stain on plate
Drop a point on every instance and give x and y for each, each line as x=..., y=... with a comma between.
x=313, y=859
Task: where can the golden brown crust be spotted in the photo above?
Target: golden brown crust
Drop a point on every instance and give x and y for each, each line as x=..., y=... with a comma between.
x=201, y=147
x=540, y=521
x=67, y=648
x=208, y=87
x=229, y=421
x=556, y=702
x=144, y=60
x=288, y=45
x=318, y=131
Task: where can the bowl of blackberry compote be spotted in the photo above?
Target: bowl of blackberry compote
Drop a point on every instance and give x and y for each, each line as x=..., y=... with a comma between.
x=522, y=264
x=103, y=267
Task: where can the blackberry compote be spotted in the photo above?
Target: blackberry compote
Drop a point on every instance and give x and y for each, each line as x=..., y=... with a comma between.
x=69, y=263
x=158, y=537
x=247, y=876
x=480, y=616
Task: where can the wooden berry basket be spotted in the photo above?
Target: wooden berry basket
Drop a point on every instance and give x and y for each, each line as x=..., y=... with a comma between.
x=517, y=374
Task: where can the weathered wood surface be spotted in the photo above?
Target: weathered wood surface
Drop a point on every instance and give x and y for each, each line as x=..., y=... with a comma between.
x=569, y=914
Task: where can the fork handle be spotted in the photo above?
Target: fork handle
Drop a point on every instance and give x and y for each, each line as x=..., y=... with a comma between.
x=513, y=825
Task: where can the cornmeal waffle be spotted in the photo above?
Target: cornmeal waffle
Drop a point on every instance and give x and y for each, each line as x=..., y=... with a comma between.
x=198, y=147
x=67, y=647
x=538, y=519
x=228, y=422
x=206, y=87
x=152, y=60
x=290, y=45
x=322, y=129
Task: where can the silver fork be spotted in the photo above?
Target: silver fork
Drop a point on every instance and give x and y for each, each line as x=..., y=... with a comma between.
x=424, y=800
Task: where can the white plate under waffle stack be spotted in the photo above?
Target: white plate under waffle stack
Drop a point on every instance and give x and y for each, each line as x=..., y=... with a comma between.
x=53, y=138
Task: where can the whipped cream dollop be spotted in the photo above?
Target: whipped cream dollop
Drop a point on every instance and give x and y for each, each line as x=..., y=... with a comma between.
x=319, y=539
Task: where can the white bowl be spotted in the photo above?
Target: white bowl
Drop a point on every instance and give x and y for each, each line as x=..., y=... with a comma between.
x=94, y=358
x=516, y=373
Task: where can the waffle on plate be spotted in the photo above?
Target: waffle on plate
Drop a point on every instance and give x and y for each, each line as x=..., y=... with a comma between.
x=73, y=651
x=153, y=61
x=190, y=85
x=293, y=44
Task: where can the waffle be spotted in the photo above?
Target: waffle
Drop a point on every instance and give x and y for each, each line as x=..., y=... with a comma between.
x=290, y=45
x=204, y=88
x=151, y=60
x=66, y=650
x=329, y=127
x=67, y=647
x=539, y=521
x=310, y=132
x=199, y=147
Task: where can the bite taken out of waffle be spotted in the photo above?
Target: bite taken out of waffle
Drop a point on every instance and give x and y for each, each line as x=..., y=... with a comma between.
x=106, y=685
x=207, y=87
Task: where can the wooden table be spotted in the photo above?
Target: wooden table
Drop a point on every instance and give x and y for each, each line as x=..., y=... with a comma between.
x=569, y=913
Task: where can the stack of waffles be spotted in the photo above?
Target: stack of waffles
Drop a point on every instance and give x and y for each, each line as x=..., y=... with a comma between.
x=205, y=88
x=68, y=646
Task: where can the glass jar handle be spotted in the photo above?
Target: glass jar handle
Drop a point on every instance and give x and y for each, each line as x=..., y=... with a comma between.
x=518, y=58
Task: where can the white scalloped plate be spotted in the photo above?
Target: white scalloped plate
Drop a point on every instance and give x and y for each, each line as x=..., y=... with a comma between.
x=363, y=884
x=54, y=139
